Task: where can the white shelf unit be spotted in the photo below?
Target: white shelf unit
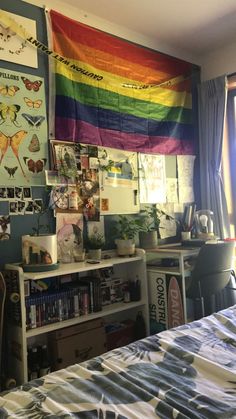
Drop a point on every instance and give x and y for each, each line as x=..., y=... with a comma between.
x=127, y=268
x=172, y=252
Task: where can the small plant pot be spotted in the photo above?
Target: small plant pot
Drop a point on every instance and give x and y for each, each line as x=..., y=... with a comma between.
x=125, y=247
x=95, y=254
x=148, y=239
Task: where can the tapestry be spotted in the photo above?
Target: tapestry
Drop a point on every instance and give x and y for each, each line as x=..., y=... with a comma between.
x=115, y=93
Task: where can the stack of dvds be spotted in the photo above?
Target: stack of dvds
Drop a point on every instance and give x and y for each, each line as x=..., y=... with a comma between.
x=73, y=299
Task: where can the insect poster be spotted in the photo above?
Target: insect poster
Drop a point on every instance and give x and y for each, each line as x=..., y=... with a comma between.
x=23, y=129
x=15, y=49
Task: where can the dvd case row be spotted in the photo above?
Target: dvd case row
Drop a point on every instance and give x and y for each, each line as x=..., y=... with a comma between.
x=76, y=300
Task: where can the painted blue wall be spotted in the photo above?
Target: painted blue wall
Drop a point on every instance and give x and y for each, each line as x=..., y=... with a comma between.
x=10, y=250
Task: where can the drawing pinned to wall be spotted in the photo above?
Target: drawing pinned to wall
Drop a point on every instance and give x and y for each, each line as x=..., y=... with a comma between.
x=69, y=229
x=15, y=49
x=23, y=132
x=185, y=165
x=167, y=226
x=4, y=227
x=172, y=190
x=152, y=178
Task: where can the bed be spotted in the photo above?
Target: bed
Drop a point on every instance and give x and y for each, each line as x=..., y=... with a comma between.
x=187, y=372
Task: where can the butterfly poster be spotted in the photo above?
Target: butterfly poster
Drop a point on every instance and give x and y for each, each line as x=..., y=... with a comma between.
x=23, y=129
x=15, y=49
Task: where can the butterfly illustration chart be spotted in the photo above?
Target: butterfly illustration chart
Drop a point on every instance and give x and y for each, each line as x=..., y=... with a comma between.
x=23, y=129
x=15, y=49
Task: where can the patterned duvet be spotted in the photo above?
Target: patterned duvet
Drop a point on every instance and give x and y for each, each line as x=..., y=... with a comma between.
x=187, y=372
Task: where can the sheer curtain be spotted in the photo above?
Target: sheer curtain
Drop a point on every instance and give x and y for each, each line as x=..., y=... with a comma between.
x=212, y=99
x=212, y=96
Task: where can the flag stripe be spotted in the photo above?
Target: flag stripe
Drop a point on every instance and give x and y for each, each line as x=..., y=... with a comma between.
x=89, y=95
x=76, y=32
x=105, y=118
x=67, y=129
x=155, y=94
x=103, y=60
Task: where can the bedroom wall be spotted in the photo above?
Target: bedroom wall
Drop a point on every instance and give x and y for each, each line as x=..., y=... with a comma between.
x=10, y=250
x=219, y=62
x=109, y=26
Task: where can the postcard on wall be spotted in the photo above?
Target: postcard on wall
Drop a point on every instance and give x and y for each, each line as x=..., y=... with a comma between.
x=66, y=157
x=120, y=167
x=5, y=227
x=171, y=190
x=90, y=194
x=15, y=49
x=152, y=178
x=96, y=227
x=23, y=129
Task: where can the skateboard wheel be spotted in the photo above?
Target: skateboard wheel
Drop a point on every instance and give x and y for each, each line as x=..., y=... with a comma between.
x=10, y=383
x=15, y=297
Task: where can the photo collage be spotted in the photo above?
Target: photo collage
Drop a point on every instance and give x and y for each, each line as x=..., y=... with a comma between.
x=20, y=200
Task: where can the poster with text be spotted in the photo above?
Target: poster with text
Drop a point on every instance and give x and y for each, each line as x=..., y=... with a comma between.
x=23, y=129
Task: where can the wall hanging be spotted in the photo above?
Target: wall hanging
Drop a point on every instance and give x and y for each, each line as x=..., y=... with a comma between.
x=114, y=93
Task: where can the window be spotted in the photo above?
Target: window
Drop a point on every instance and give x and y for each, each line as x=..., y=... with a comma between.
x=229, y=155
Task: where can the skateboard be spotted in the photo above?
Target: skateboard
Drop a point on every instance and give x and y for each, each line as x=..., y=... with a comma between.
x=2, y=338
x=5, y=381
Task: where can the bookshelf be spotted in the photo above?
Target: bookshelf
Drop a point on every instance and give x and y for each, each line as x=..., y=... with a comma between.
x=20, y=337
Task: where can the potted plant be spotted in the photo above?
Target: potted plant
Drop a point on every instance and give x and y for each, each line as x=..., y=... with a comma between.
x=125, y=230
x=147, y=237
x=94, y=245
x=150, y=218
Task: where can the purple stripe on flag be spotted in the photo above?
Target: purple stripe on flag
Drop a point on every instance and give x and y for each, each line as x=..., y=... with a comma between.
x=83, y=132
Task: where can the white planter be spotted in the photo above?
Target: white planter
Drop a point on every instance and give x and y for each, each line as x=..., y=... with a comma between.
x=39, y=250
x=125, y=247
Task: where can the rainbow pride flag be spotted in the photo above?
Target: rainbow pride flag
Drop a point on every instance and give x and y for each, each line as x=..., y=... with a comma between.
x=114, y=93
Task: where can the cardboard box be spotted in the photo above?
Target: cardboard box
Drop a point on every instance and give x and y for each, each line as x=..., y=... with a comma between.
x=77, y=343
x=122, y=336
